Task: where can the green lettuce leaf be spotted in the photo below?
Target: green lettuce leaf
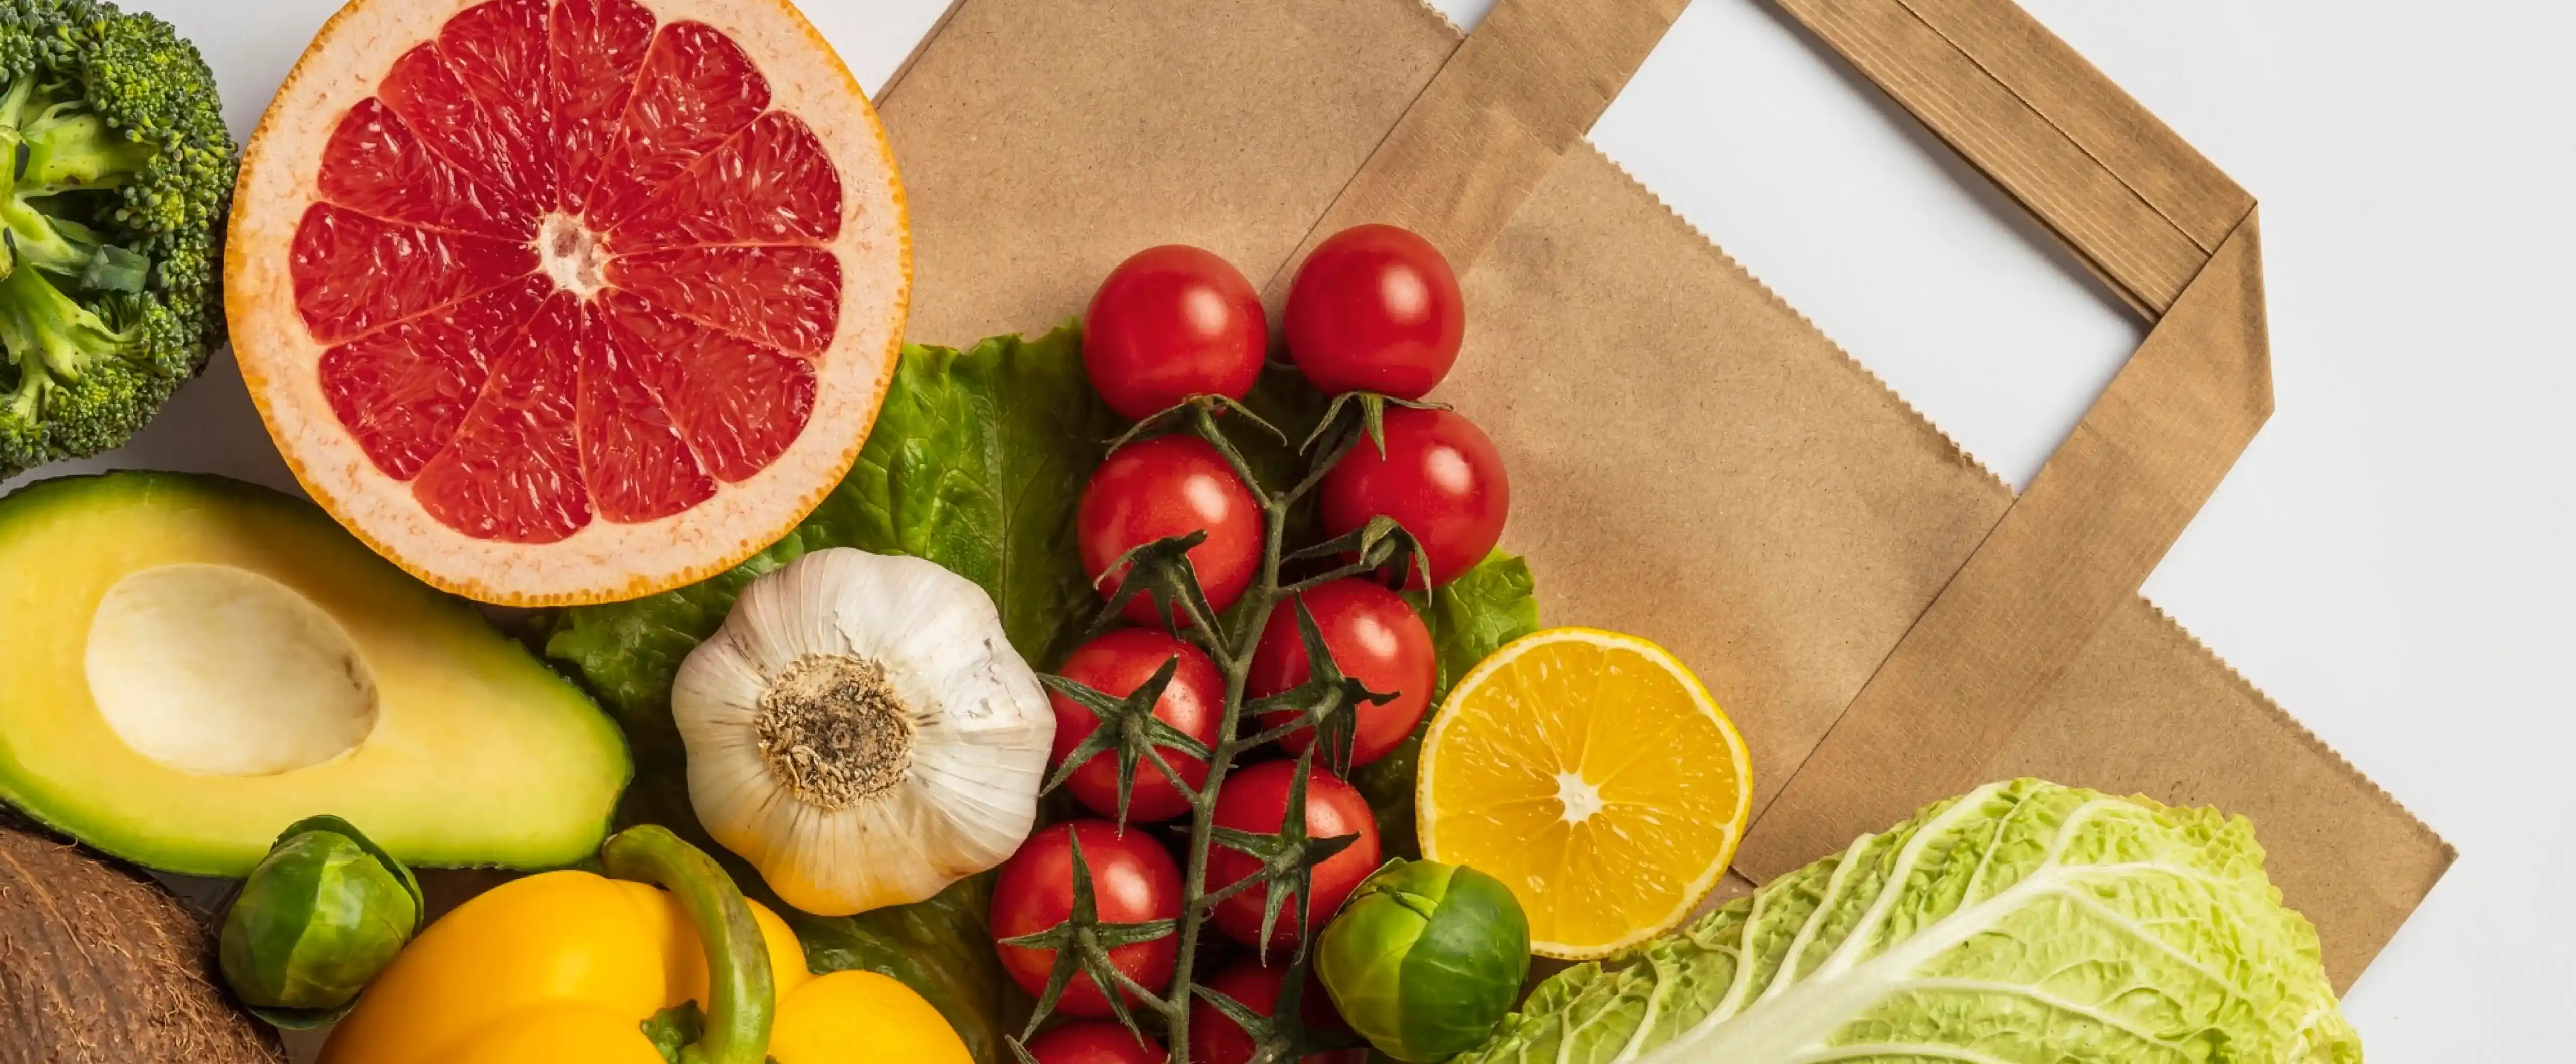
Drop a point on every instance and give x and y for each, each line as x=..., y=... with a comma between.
x=1487, y=606
x=975, y=463
x=2022, y=923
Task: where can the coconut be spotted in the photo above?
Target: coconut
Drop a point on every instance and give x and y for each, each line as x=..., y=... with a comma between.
x=99, y=964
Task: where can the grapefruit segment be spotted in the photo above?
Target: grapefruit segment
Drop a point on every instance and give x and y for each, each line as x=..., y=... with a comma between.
x=769, y=184
x=631, y=453
x=356, y=273
x=403, y=391
x=597, y=46
x=377, y=166
x=426, y=93
x=560, y=301
x=737, y=403
x=696, y=88
x=498, y=53
x=511, y=473
x=785, y=297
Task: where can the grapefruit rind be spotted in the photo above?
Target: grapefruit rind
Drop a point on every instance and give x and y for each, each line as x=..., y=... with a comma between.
x=604, y=561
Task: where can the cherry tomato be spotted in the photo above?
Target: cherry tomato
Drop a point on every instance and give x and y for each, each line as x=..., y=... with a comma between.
x=1440, y=478
x=1255, y=799
x=1116, y=664
x=1375, y=309
x=1216, y=1039
x=1095, y=1042
x=1376, y=638
x=1132, y=880
x=1169, y=323
x=1162, y=487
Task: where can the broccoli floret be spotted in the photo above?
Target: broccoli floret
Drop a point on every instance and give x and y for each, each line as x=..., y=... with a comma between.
x=115, y=176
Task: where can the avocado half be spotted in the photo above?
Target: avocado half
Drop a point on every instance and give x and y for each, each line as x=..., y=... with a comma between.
x=189, y=664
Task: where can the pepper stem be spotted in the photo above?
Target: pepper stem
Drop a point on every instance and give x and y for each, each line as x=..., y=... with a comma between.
x=742, y=995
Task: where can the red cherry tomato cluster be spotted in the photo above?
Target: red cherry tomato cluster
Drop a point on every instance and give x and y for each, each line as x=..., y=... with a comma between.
x=1216, y=1039
x=1133, y=880
x=1254, y=798
x=1374, y=309
x=1374, y=637
x=1439, y=477
x=1169, y=323
x=1163, y=487
x=1117, y=663
x=1095, y=1042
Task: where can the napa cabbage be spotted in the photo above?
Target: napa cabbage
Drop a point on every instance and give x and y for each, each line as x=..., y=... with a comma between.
x=2022, y=923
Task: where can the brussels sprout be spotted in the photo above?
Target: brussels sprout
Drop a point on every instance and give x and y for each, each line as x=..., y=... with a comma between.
x=322, y=914
x=1426, y=958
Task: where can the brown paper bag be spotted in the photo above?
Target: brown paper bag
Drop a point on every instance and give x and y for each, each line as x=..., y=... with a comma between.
x=1692, y=460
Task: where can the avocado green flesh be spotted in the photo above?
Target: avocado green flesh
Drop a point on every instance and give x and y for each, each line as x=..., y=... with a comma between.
x=448, y=743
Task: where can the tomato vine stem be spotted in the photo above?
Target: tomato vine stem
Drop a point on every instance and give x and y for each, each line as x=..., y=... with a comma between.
x=1327, y=701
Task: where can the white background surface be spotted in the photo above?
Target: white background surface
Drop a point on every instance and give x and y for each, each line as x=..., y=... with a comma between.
x=2391, y=559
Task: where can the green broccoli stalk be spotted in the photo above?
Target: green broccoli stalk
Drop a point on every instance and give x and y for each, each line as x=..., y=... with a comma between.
x=115, y=171
x=60, y=145
x=63, y=148
x=51, y=339
x=49, y=148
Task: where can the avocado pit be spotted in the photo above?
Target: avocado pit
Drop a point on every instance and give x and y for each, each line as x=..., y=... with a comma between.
x=222, y=671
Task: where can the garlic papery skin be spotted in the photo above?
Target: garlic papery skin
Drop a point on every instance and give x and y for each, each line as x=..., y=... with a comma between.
x=861, y=731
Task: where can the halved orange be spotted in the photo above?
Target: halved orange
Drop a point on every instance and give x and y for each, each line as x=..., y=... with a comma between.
x=561, y=301
x=1593, y=775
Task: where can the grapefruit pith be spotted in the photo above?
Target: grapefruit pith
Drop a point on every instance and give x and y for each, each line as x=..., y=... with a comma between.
x=565, y=301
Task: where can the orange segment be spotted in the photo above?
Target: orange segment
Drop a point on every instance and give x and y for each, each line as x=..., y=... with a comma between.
x=1594, y=775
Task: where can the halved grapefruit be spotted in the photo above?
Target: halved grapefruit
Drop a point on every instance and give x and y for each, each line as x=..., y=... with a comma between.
x=565, y=301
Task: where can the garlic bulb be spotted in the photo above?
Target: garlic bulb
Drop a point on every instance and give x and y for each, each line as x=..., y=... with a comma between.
x=861, y=731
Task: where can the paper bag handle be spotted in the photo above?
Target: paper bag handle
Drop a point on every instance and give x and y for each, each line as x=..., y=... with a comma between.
x=1518, y=92
x=2179, y=242
x=2169, y=234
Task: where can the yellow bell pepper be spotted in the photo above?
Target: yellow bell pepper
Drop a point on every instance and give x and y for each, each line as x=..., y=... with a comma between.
x=568, y=967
